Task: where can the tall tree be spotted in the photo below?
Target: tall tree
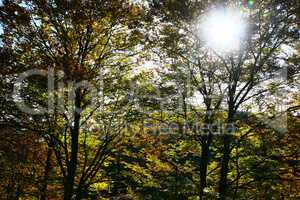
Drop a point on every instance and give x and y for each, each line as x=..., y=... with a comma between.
x=92, y=43
x=226, y=81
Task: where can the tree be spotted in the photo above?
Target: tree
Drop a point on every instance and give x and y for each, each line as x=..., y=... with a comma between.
x=91, y=41
x=124, y=99
x=226, y=79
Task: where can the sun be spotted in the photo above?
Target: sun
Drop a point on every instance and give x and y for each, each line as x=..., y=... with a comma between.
x=223, y=29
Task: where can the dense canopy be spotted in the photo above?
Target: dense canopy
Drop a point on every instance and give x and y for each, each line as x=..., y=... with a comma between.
x=149, y=99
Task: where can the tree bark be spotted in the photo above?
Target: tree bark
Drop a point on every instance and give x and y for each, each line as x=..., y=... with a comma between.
x=224, y=168
x=72, y=164
x=223, y=185
x=48, y=167
x=204, y=164
x=206, y=142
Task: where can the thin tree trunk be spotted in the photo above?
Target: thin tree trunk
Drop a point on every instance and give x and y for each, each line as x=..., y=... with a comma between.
x=204, y=164
x=72, y=164
x=80, y=191
x=78, y=194
x=223, y=185
x=48, y=167
x=224, y=168
x=206, y=142
x=18, y=192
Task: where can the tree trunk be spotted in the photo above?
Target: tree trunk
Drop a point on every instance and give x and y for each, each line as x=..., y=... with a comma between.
x=224, y=168
x=48, y=167
x=18, y=192
x=79, y=191
x=206, y=142
x=204, y=163
x=223, y=185
x=72, y=164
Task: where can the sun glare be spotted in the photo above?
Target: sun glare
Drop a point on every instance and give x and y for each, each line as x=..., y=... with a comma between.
x=223, y=29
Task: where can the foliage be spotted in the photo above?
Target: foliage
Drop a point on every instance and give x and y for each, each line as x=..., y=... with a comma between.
x=198, y=124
